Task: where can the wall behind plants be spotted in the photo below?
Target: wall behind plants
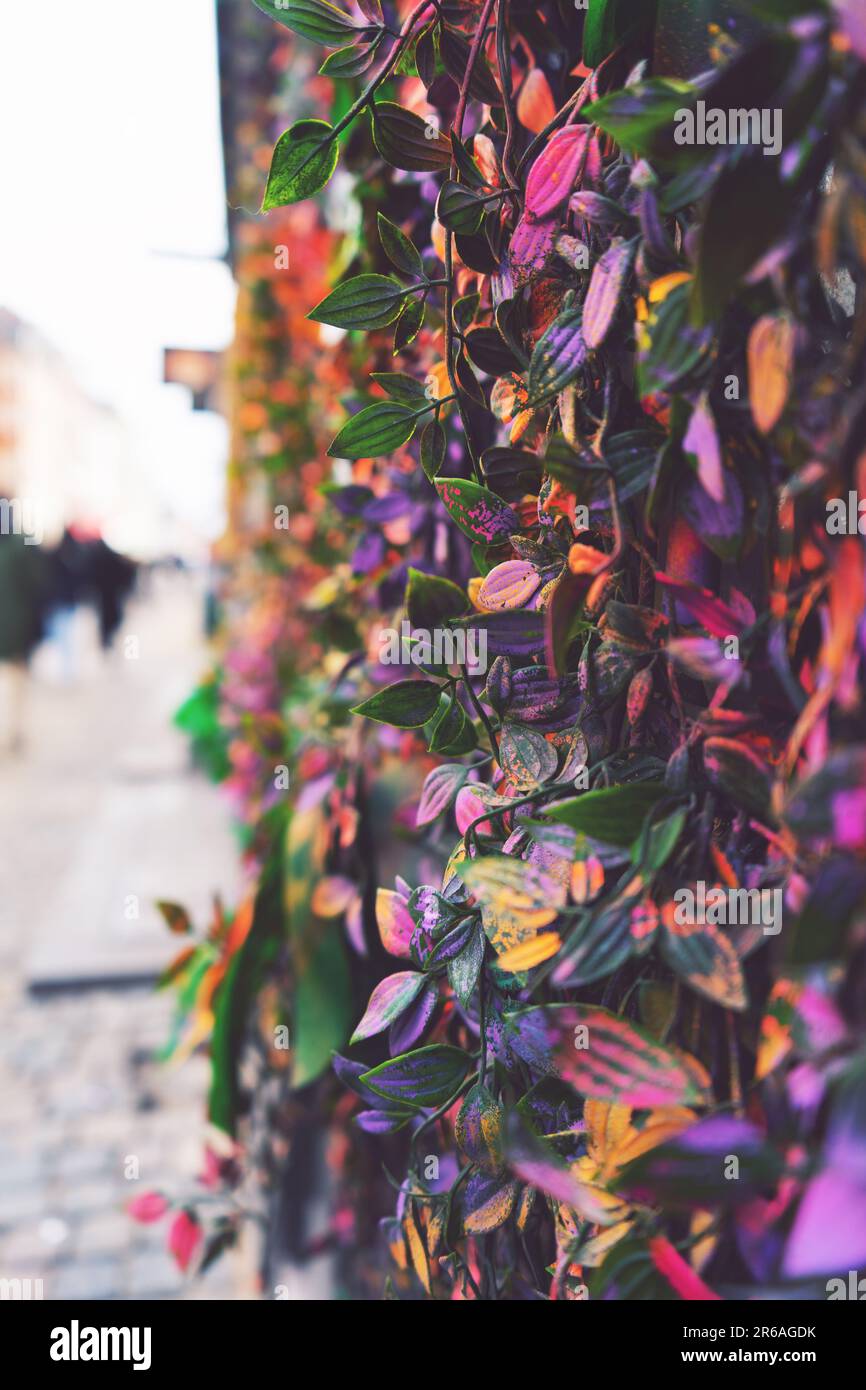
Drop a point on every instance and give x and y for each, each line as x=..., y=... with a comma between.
x=584, y=927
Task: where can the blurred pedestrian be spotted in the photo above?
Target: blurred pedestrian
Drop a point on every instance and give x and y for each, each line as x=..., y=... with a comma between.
x=23, y=595
x=67, y=577
x=111, y=577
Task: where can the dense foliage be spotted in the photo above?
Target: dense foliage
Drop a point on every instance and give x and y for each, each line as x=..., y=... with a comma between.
x=585, y=927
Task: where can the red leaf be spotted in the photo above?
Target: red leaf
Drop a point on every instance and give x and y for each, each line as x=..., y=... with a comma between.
x=717, y=617
x=681, y=1277
x=184, y=1238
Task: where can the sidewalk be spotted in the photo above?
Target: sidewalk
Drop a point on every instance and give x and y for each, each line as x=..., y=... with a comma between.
x=100, y=815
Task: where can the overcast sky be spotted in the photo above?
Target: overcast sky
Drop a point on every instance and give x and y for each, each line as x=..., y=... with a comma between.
x=114, y=208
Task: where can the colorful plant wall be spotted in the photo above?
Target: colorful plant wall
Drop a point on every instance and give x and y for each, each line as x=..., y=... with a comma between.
x=560, y=652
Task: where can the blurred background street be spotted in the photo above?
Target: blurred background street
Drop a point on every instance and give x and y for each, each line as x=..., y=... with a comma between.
x=116, y=308
x=100, y=813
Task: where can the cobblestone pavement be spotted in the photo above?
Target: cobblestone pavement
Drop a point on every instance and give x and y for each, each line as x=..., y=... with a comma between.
x=80, y=1089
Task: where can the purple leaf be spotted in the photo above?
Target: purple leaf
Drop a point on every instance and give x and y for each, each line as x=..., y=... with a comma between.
x=532, y=246
x=427, y=1077
x=407, y=1030
x=702, y=441
x=440, y=788
x=829, y=1234
x=605, y=290
x=388, y=1000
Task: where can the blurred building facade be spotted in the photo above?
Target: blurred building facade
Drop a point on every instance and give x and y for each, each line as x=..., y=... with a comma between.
x=64, y=457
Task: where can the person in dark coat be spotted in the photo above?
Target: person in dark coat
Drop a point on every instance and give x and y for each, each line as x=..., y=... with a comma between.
x=111, y=577
x=23, y=595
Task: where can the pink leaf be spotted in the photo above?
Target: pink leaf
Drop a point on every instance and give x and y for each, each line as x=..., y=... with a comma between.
x=852, y=21
x=532, y=246
x=467, y=809
x=394, y=922
x=702, y=441
x=184, y=1237
x=150, y=1206
x=555, y=171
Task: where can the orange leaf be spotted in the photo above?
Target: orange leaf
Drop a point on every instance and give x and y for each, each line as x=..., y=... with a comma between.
x=530, y=953
x=535, y=105
x=771, y=358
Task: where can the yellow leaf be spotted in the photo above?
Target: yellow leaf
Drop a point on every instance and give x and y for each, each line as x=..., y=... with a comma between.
x=435, y=1230
x=661, y=288
x=606, y=1124
x=595, y=1250
x=530, y=953
x=771, y=358
x=662, y=1125
x=332, y=895
x=417, y=1251
x=493, y=1213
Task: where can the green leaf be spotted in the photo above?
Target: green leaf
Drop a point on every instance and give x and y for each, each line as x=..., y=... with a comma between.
x=434, y=443
x=365, y=302
x=400, y=250
x=377, y=430
x=449, y=731
x=730, y=244
x=705, y=958
x=641, y=118
x=300, y=164
x=350, y=62
x=406, y=704
x=458, y=208
x=313, y=19
x=479, y=513
x=613, y=814
x=402, y=387
x=431, y=601
x=321, y=1002
x=455, y=50
x=464, y=969
x=527, y=758
x=407, y=142
x=658, y=840
x=467, y=167
x=610, y=23
x=426, y=1077
x=388, y=1000
x=410, y=323
x=558, y=357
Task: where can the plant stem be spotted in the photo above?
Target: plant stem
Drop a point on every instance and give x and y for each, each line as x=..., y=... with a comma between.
x=477, y=706
x=474, y=51
x=370, y=90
